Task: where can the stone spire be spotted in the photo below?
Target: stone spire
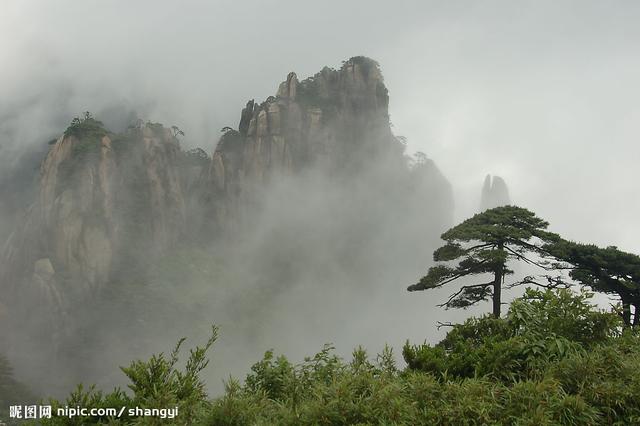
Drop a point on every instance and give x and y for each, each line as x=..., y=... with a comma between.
x=494, y=193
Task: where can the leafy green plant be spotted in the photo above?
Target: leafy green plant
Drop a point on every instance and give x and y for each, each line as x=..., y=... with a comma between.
x=540, y=327
x=155, y=384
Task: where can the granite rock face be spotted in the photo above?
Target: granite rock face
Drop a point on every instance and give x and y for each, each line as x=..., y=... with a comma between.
x=109, y=203
x=93, y=200
x=336, y=123
x=332, y=119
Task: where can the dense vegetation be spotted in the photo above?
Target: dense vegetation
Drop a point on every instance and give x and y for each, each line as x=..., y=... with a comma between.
x=89, y=133
x=86, y=128
x=553, y=359
x=12, y=392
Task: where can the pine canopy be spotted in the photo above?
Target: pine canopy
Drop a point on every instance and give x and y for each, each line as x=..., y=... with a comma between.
x=484, y=244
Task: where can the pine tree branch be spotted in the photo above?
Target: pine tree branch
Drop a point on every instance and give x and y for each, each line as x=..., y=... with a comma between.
x=526, y=244
x=553, y=283
x=462, y=289
x=470, y=270
x=468, y=250
x=444, y=324
x=531, y=262
x=461, y=274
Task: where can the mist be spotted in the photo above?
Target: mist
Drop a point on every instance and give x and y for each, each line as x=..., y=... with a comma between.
x=542, y=94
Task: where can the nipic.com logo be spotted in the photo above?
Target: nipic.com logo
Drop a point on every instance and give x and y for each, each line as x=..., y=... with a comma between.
x=25, y=412
x=30, y=411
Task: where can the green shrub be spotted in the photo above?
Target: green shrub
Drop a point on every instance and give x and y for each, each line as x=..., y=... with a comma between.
x=607, y=378
x=156, y=383
x=540, y=327
x=563, y=313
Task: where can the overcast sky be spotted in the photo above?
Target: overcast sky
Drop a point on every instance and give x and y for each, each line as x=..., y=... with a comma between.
x=543, y=93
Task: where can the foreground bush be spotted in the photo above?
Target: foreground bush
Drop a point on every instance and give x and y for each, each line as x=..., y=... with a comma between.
x=12, y=392
x=540, y=328
x=553, y=359
x=156, y=383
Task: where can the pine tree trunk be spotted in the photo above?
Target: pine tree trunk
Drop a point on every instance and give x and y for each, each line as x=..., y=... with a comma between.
x=497, y=287
x=626, y=313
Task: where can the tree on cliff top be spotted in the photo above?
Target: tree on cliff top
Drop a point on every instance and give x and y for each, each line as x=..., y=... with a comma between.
x=484, y=244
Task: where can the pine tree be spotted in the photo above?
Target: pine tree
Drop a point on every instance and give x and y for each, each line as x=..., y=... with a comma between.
x=606, y=270
x=485, y=244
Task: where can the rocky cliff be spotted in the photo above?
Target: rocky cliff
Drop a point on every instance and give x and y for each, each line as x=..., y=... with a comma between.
x=336, y=122
x=337, y=118
x=101, y=196
x=494, y=193
x=313, y=172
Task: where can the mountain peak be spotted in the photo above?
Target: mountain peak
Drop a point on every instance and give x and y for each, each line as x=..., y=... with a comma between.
x=494, y=193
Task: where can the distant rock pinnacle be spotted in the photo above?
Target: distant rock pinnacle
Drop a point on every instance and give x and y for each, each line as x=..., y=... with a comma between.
x=494, y=193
